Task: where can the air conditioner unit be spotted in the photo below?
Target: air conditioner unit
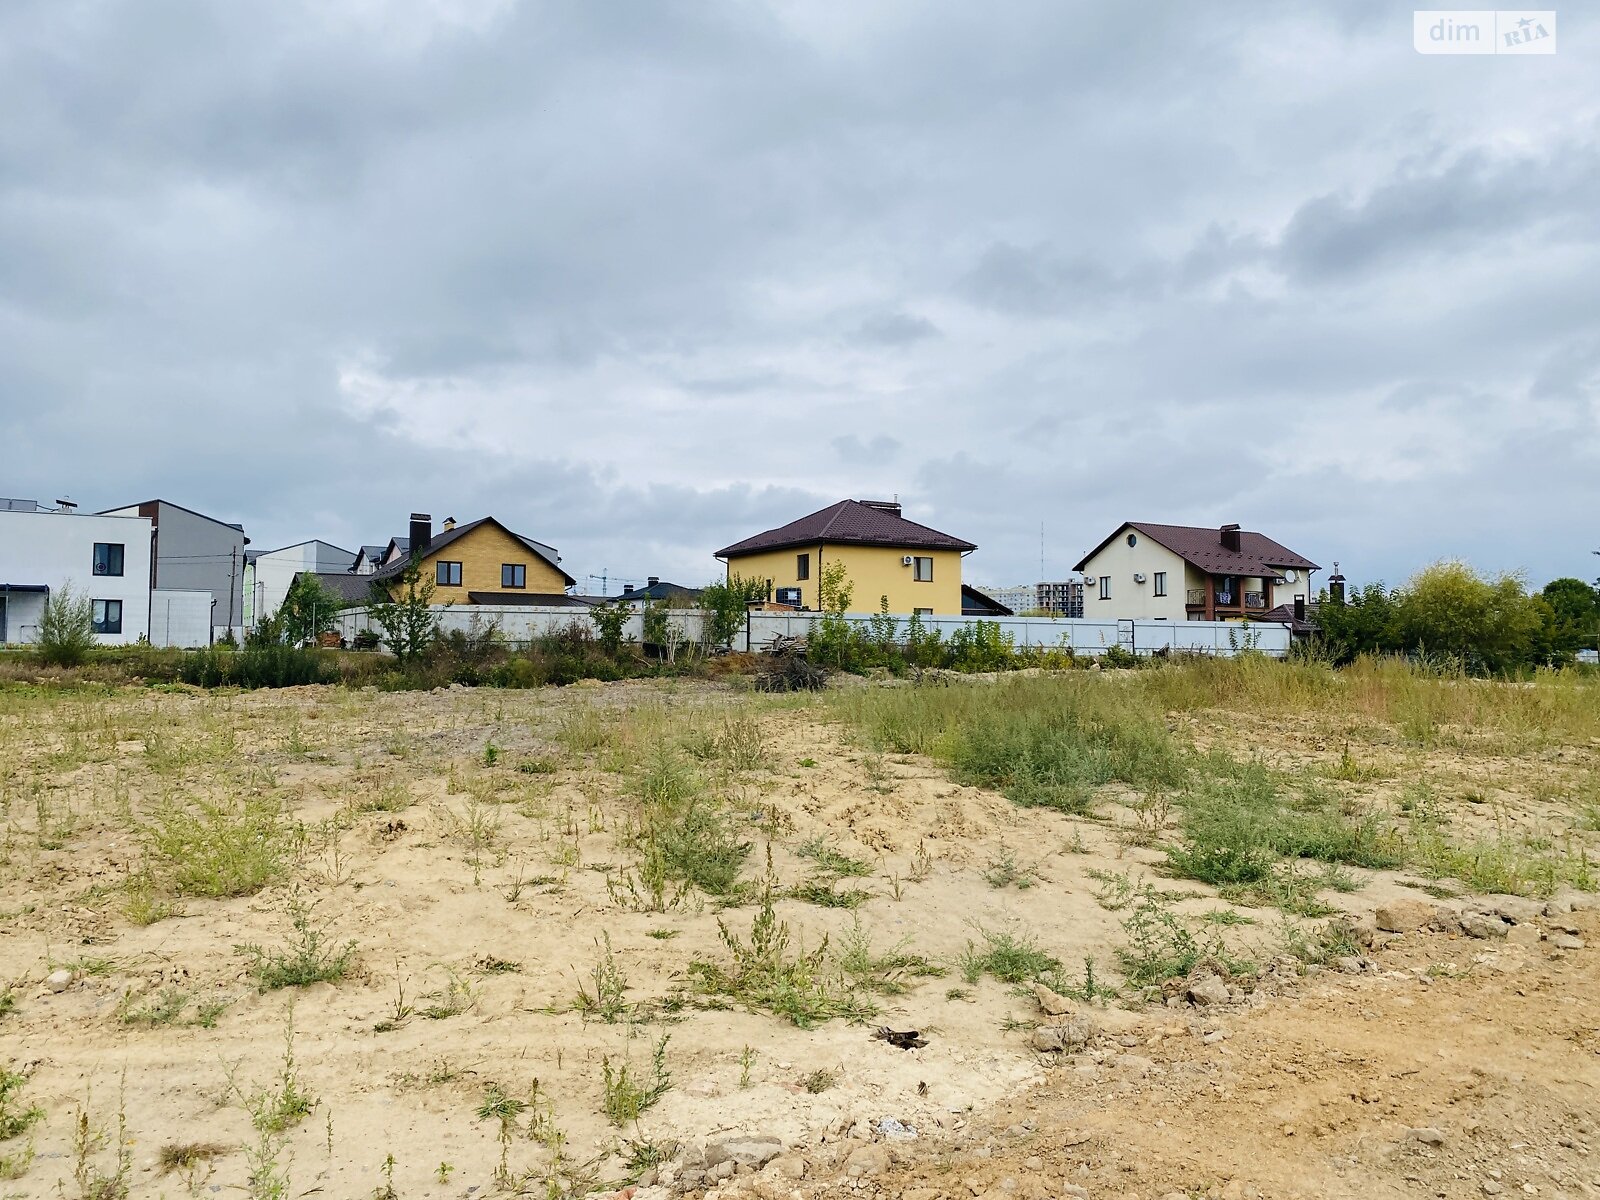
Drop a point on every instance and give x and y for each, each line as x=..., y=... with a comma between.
x=905, y=561
x=1138, y=576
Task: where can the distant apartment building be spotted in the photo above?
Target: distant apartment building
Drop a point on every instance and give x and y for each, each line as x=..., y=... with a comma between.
x=1059, y=599
x=1056, y=599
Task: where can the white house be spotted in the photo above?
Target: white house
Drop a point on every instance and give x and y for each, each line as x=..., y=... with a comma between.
x=1191, y=573
x=269, y=574
x=43, y=550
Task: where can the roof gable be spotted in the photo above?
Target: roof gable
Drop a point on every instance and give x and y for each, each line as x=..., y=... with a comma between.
x=537, y=549
x=1201, y=547
x=848, y=521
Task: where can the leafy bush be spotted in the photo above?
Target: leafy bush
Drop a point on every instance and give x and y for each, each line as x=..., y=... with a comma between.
x=221, y=850
x=725, y=603
x=256, y=666
x=609, y=622
x=66, y=629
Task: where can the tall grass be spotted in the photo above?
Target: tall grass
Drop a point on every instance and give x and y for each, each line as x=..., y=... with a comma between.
x=1047, y=740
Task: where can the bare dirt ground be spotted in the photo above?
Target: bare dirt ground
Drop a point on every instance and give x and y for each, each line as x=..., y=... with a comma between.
x=477, y=853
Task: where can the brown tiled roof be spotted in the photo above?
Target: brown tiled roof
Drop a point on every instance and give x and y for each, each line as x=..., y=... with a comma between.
x=848, y=521
x=1202, y=547
x=1284, y=615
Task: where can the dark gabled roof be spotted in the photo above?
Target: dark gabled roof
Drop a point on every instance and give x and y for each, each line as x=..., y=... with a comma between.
x=233, y=525
x=538, y=549
x=977, y=604
x=1283, y=614
x=659, y=590
x=352, y=589
x=1201, y=547
x=527, y=600
x=372, y=553
x=852, y=522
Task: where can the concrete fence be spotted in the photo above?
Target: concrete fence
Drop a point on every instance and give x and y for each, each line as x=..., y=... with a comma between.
x=1081, y=636
x=519, y=625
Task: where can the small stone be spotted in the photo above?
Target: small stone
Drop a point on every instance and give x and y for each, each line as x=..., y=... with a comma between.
x=1074, y=1192
x=1134, y=1064
x=1491, y=1188
x=1215, y=1036
x=1033, y=1163
x=1053, y=1003
x=1208, y=991
x=1350, y=964
x=1403, y=915
x=789, y=1166
x=1518, y=908
x=1483, y=925
x=1566, y=941
x=1427, y=1135
x=1558, y=908
x=723, y=1170
x=1524, y=935
x=58, y=981
x=1071, y=1035
x=871, y=1159
x=743, y=1151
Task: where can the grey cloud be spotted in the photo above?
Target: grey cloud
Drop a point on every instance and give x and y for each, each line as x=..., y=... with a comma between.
x=865, y=452
x=649, y=281
x=894, y=329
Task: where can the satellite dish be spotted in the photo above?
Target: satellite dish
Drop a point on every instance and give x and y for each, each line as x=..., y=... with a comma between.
x=1290, y=575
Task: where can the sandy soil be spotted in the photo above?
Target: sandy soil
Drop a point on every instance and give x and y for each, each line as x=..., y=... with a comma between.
x=481, y=890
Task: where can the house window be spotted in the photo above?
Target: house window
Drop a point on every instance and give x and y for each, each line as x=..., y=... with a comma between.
x=924, y=570
x=512, y=575
x=108, y=558
x=1105, y=587
x=802, y=566
x=448, y=574
x=108, y=616
x=1161, y=583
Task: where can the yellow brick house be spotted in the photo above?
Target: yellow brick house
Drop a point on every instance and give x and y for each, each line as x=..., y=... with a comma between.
x=917, y=568
x=482, y=562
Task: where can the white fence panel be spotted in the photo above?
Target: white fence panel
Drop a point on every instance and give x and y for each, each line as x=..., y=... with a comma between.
x=1091, y=637
x=1081, y=635
x=180, y=618
x=519, y=624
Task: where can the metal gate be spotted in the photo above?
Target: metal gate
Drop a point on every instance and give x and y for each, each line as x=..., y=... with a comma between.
x=1125, y=634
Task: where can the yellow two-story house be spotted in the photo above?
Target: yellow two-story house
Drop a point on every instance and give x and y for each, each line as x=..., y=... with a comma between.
x=885, y=556
x=482, y=562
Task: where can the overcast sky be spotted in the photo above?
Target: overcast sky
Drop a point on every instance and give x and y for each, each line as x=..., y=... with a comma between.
x=642, y=278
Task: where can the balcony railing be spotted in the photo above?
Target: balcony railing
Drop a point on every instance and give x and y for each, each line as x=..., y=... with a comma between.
x=1197, y=598
x=1255, y=599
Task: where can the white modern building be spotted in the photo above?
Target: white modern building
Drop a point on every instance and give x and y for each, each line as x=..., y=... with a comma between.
x=45, y=550
x=269, y=574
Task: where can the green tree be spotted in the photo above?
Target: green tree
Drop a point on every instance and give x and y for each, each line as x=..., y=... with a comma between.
x=1575, y=613
x=833, y=639
x=308, y=609
x=1487, y=624
x=1365, y=622
x=408, y=621
x=609, y=621
x=66, y=629
x=725, y=603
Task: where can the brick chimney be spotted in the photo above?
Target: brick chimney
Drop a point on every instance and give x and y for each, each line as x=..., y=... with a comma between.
x=654, y=579
x=1230, y=537
x=421, y=533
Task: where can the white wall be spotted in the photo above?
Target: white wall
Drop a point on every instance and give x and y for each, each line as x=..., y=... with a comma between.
x=180, y=618
x=275, y=571
x=1129, y=599
x=55, y=549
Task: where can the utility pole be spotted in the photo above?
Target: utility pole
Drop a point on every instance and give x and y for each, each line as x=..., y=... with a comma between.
x=233, y=564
